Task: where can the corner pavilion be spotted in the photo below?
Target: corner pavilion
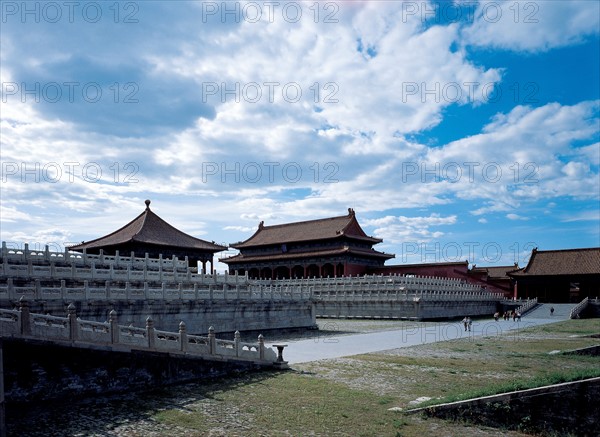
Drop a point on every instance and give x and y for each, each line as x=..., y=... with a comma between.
x=150, y=234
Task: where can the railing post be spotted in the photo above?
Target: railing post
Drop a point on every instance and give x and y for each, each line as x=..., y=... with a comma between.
x=38, y=290
x=11, y=289
x=73, y=328
x=25, y=319
x=150, y=332
x=114, y=327
x=261, y=347
x=237, y=340
x=183, y=340
x=212, y=344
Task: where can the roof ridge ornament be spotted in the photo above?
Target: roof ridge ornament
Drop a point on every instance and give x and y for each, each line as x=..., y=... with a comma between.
x=147, y=202
x=351, y=212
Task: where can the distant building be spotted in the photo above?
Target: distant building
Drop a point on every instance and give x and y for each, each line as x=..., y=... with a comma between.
x=495, y=279
x=149, y=234
x=559, y=275
x=456, y=269
x=335, y=246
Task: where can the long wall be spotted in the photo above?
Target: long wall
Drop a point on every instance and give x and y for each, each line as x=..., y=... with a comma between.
x=563, y=409
x=405, y=309
x=223, y=316
x=39, y=371
x=170, y=291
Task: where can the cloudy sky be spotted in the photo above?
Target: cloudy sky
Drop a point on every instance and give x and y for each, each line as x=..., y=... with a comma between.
x=456, y=130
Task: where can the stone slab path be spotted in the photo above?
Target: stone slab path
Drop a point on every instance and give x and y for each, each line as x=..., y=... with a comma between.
x=302, y=351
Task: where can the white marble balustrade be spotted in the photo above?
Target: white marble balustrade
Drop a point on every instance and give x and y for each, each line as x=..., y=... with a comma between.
x=20, y=323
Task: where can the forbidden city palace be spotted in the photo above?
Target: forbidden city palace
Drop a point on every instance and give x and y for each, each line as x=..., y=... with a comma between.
x=335, y=246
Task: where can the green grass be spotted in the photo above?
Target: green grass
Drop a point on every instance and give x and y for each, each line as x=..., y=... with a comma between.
x=289, y=403
x=352, y=396
x=520, y=384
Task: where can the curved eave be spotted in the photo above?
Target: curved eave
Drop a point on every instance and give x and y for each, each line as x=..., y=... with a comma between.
x=238, y=259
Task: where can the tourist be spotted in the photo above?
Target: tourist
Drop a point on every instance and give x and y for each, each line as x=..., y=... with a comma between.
x=465, y=322
x=469, y=322
x=551, y=311
x=496, y=316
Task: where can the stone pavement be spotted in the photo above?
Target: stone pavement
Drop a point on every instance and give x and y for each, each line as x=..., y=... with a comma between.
x=302, y=351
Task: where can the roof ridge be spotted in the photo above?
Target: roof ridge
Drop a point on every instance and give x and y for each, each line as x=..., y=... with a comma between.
x=569, y=250
x=306, y=221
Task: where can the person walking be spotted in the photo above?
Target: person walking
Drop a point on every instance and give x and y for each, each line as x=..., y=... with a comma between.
x=465, y=322
x=551, y=311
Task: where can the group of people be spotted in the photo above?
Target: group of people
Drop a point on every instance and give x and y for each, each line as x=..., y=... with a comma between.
x=507, y=315
x=515, y=315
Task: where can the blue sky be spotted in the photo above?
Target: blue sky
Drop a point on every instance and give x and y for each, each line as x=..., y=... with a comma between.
x=456, y=130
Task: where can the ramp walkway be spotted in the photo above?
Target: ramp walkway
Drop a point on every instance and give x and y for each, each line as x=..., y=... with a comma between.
x=562, y=311
x=315, y=349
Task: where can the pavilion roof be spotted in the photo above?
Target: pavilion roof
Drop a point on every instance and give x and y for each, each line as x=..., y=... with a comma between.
x=149, y=228
x=310, y=230
x=584, y=261
x=496, y=272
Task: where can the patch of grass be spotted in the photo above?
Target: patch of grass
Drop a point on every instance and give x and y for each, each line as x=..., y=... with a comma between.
x=522, y=384
x=292, y=403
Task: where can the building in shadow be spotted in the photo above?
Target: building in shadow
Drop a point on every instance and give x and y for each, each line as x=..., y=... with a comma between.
x=559, y=275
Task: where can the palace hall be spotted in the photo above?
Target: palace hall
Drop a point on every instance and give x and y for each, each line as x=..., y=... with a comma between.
x=335, y=246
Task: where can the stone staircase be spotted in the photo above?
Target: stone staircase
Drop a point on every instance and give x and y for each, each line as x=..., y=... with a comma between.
x=562, y=311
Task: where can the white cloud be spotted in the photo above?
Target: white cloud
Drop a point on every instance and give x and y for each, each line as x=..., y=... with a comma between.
x=512, y=216
x=402, y=229
x=532, y=26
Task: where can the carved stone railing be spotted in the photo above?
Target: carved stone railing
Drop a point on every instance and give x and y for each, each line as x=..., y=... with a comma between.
x=528, y=305
x=403, y=295
x=178, y=281
x=83, y=258
x=168, y=291
x=17, y=265
x=370, y=283
x=75, y=332
x=578, y=309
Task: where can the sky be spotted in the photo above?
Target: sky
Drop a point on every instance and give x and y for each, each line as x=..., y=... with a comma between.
x=456, y=130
